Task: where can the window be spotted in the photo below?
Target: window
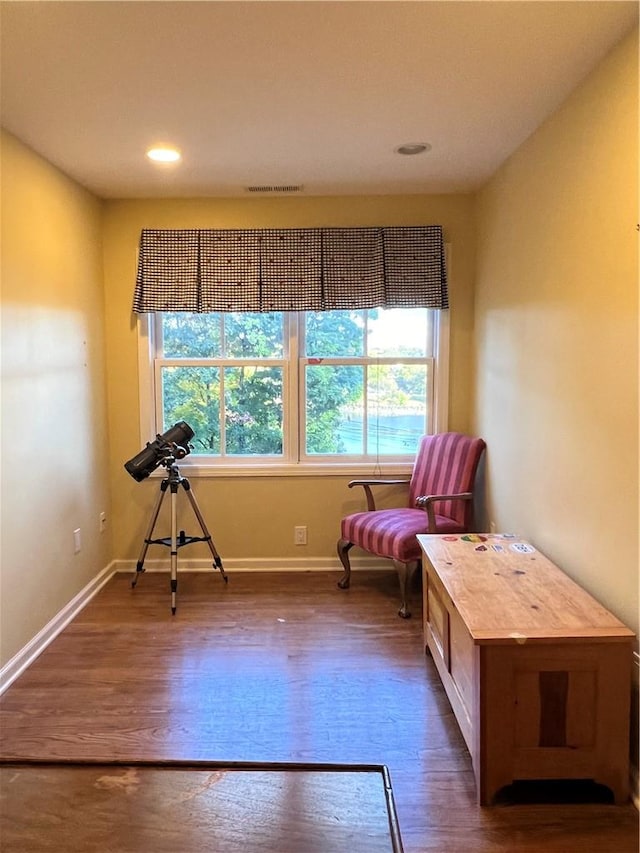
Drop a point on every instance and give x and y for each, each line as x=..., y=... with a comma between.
x=297, y=391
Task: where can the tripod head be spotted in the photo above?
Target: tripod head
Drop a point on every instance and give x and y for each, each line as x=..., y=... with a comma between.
x=170, y=456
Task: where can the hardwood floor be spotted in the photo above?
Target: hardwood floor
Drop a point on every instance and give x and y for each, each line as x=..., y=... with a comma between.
x=283, y=667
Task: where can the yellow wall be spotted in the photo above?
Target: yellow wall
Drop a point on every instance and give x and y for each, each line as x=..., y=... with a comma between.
x=254, y=517
x=557, y=335
x=54, y=424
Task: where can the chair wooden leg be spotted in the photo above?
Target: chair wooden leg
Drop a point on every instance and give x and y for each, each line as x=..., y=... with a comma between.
x=406, y=571
x=343, y=552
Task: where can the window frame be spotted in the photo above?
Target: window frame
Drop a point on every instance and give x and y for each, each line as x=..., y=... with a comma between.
x=365, y=362
x=198, y=466
x=221, y=363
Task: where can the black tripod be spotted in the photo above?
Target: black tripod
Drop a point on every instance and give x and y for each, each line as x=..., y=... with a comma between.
x=172, y=481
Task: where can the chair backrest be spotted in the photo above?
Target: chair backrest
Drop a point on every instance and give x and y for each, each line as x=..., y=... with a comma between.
x=446, y=464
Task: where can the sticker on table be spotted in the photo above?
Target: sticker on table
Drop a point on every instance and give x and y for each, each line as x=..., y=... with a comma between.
x=522, y=548
x=499, y=549
x=508, y=535
x=481, y=548
x=450, y=538
x=474, y=537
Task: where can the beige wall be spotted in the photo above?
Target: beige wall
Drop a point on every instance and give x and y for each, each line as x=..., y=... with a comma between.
x=254, y=517
x=557, y=335
x=54, y=424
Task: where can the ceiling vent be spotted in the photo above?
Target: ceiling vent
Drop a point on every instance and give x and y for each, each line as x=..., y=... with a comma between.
x=275, y=188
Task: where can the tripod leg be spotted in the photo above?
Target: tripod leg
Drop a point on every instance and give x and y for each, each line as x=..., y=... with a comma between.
x=147, y=538
x=174, y=546
x=217, y=562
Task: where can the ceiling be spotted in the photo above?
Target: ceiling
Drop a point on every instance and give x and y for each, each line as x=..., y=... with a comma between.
x=310, y=94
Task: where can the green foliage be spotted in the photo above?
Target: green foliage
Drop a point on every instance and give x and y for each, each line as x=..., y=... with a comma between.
x=192, y=394
x=334, y=333
x=253, y=410
x=397, y=386
x=330, y=388
x=253, y=335
x=191, y=335
x=248, y=398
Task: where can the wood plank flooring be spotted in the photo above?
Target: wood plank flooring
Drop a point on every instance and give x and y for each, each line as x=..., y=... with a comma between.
x=200, y=808
x=284, y=667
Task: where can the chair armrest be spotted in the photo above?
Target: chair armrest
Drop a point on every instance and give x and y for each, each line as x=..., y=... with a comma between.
x=366, y=485
x=426, y=502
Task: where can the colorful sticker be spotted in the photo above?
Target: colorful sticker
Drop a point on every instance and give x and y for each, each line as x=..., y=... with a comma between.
x=522, y=548
x=499, y=549
x=508, y=535
x=450, y=538
x=481, y=548
x=474, y=537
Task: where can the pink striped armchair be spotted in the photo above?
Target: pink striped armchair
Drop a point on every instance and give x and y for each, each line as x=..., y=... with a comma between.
x=440, y=501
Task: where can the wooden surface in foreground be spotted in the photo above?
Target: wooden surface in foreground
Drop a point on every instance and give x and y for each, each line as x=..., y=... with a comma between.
x=166, y=808
x=285, y=667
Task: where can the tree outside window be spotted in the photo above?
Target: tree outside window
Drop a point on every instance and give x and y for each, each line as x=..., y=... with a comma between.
x=347, y=384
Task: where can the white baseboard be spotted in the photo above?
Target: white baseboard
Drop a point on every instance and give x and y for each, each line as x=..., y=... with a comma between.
x=257, y=564
x=20, y=661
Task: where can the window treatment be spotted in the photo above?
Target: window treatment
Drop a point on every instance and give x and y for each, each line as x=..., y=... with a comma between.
x=290, y=269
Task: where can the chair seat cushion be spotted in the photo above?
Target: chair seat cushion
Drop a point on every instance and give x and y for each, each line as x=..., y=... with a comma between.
x=392, y=533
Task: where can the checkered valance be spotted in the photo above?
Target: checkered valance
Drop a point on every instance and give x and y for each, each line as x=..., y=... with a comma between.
x=291, y=269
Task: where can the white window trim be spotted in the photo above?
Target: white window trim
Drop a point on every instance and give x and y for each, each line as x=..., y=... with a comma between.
x=277, y=468
x=441, y=378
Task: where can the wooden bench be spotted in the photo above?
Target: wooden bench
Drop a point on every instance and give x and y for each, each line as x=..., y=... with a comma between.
x=537, y=672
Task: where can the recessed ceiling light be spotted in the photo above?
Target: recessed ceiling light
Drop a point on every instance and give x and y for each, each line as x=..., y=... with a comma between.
x=164, y=154
x=413, y=148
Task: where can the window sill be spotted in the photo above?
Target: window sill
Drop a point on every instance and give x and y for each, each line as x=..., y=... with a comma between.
x=280, y=469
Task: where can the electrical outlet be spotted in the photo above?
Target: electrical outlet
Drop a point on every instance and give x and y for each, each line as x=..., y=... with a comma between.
x=103, y=522
x=300, y=535
x=77, y=544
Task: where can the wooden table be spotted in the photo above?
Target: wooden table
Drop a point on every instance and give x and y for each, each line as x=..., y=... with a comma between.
x=537, y=672
x=201, y=807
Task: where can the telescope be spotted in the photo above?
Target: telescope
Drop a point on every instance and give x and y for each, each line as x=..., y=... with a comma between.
x=172, y=444
x=166, y=450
